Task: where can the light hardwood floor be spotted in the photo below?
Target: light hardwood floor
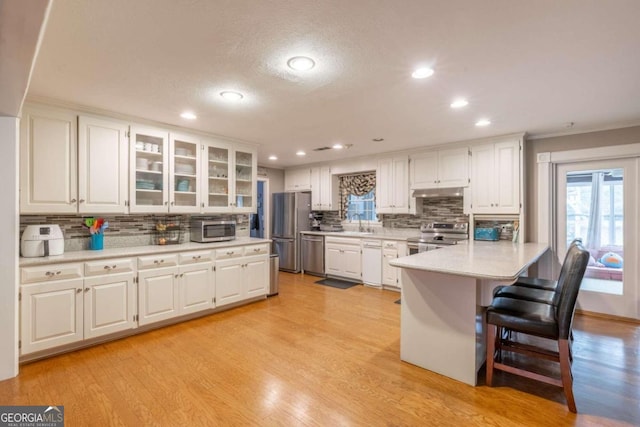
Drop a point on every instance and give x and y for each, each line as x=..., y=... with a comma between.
x=317, y=356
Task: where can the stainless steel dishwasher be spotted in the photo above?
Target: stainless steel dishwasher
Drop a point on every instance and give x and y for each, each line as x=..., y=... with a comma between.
x=313, y=254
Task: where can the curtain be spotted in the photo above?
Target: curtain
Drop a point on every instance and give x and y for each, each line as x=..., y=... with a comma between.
x=595, y=214
x=358, y=185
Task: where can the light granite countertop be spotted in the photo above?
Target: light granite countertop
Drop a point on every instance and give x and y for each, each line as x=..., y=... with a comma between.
x=382, y=234
x=502, y=260
x=79, y=256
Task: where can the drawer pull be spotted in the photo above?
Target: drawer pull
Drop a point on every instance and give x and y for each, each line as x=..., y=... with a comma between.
x=196, y=257
x=256, y=250
x=158, y=261
x=110, y=267
x=53, y=273
x=230, y=252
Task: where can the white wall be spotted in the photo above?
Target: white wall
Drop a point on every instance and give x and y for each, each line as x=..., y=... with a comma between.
x=9, y=230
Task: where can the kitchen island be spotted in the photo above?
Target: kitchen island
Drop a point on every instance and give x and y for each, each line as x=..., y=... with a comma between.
x=444, y=295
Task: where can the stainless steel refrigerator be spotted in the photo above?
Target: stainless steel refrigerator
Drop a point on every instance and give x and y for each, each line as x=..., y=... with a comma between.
x=290, y=217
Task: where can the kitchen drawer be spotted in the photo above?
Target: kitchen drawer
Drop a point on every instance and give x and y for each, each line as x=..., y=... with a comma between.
x=228, y=253
x=389, y=244
x=105, y=266
x=256, y=250
x=50, y=272
x=155, y=261
x=343, y=240
x=195, y=257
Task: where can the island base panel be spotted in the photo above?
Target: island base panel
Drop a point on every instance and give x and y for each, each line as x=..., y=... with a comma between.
x=442, y=325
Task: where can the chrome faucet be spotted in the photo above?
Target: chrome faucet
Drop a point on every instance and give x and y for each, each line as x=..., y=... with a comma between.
x=359, y=216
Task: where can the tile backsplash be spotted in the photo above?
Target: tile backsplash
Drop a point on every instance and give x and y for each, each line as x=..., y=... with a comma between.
x=124, y=230
x=449, y=209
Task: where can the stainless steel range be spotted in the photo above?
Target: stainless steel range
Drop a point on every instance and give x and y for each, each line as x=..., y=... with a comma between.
x=435, y=235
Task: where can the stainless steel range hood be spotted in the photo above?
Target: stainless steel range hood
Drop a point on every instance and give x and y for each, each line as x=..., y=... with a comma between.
x=438, y=192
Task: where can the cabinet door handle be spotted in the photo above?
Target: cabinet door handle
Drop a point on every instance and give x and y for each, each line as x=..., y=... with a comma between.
x=78, y=291
x=58, y=272
x=181, y=274
x=106, y=267
x=81, y=201
x=72, y=201
x=177, y=275
x=166, y=203
x=86, y=290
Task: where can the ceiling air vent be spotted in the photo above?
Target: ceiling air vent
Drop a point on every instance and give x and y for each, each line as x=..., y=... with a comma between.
x=322, y=148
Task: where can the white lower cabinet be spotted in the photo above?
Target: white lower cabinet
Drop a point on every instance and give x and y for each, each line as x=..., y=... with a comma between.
x=109, y=304
x=61, y=304
x=256, y=276
x=229, y=281
x=50, y=314
x=196, y=287
x=60, y=312
x=158, y=293
x=392, y=250
x=241, y=278
x=343, y=258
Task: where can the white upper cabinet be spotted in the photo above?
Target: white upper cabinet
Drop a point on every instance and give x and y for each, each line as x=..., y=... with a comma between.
x=102, y=165
x=324, y=189
x=392, y=185
x=297, y=179
x=244, y=186
x=149, y=166
x=184, y=173
x=440, y=169
x=165, y=171
x=48, y=161
x=496, y=178
x=229, y=178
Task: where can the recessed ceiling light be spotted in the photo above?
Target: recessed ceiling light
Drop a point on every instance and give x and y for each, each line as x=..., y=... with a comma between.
x=230, y=95
x=422, y=73
x=273, y=157
x=300, y=153
x=378, y=139
x=188, y=115
x=338, y=146
x=483, y=122
x=301, y=63
x=459, y=103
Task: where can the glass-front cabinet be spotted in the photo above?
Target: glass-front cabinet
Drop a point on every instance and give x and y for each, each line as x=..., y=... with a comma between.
x=245, y=177
x=184, y=181
x=230, y=178
x=165, y=171
x=149, y=170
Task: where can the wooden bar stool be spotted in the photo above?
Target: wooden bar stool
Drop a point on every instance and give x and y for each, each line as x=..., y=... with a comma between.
x=540, y=320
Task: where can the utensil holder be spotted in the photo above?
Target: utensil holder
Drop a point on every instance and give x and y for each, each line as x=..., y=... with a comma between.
x=97, y=242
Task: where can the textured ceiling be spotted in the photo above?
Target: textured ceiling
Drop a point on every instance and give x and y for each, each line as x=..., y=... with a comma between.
x=527, y=65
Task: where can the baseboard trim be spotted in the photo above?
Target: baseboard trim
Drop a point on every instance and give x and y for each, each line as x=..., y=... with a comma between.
x=608, y=316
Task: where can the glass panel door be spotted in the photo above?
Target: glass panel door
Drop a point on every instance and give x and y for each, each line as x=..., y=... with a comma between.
x=217, y=185
x=244, y=182
x=149, y=170
x=596, y=203
x=185, y=167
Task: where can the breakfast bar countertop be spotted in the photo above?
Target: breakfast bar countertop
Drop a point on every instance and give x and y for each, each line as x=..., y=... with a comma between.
x=501, y=260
